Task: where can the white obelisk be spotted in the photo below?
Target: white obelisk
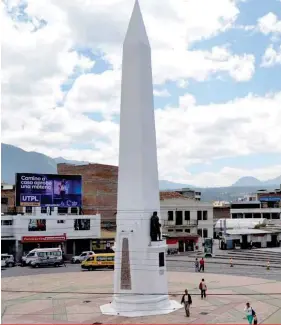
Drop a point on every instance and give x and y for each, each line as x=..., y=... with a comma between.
x=140, y=276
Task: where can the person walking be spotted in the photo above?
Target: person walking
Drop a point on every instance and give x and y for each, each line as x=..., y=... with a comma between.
x=203, y=288
x=250, y=313
x=196, y=265
x=187, y=301
x=202, y=265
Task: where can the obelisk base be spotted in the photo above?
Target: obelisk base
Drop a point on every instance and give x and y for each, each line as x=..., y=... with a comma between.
x=160, y=306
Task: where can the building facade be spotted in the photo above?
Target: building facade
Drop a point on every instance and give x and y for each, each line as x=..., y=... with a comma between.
x=49, y=227
x=185, y=221
x=99, y=186
x=190, y=194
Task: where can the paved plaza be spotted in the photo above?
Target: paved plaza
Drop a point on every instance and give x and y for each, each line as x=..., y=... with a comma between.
x=70, y=298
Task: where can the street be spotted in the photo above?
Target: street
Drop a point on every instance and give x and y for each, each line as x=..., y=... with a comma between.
x=185, y=264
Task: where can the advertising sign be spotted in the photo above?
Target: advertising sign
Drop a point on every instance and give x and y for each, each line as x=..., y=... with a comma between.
x=47, y=190
x=36, y=239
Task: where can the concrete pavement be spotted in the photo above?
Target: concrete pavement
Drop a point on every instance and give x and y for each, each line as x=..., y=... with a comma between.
x=76, y=297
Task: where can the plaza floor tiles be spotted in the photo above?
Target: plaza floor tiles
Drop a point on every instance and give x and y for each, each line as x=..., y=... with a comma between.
x=69, y=298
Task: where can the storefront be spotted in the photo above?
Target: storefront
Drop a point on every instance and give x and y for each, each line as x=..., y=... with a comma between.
x=32, y=242
x=182, y=243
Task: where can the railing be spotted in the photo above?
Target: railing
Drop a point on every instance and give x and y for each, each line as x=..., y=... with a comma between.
x=186, y=223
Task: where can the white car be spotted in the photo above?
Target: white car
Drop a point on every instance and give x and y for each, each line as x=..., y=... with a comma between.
x=37, y=253
x=83, y=256
x=7, y=260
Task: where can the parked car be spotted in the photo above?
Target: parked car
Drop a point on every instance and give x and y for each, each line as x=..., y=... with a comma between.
x=82, y=257
x=40, y=253
x=7, y=260
x=47, y=257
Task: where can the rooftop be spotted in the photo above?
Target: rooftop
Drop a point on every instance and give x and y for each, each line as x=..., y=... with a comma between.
x=171, y=195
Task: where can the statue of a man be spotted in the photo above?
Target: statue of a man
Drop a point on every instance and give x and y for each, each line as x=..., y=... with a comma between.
x=155, y=231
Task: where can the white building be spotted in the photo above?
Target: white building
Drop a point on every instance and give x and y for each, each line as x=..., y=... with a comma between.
x=49, y=227
x=185, y=221
x=257, y=209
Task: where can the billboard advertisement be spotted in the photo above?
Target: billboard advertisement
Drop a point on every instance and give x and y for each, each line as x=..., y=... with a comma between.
x=48, y=190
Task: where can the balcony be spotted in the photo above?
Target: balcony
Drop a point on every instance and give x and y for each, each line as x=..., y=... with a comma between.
x=184, y=224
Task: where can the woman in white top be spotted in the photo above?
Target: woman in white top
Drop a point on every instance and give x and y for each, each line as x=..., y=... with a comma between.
x=249, y=313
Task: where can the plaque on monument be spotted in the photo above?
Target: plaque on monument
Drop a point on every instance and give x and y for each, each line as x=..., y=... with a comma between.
x=125, y=266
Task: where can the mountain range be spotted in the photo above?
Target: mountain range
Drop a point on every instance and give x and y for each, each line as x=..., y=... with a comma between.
x=16, y=160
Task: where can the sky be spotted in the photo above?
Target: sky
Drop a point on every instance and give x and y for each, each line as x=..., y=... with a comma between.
x=216, y=72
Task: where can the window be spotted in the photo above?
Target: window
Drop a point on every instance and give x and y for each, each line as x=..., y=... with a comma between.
x=161, y=259
x=248, y=215
x=30, y=255
x=275, y=216
x=82, y=224
x=60, y=221
x=178, y=230
x=28, y=209
x=37, y=225
x=170, y=215
x=62, y=210
x=257, y=215
x=187, y=215
x=83, y=254
x=6, y=222
x=179, y=218
x=266, y=215
x=48, y=254
x=199, y=215
x=105, y=258
x=73, y=210
x=205, y=215
x=205, y=233
x=4, y=200
x=187, y=230
x=43, y=210
x=199, y=232
x=170, y=230
x=234, y=215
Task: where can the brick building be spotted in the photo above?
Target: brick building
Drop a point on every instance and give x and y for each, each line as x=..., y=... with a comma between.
x=8, y=199
x=99, y=188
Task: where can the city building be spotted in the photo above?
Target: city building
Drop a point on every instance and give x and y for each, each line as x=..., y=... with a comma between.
x=262, y=204
x=185, y=221
x=99, y=188
x=8, y=199
x=49, y=227
x=246, y=233
x=190, y=194
x=221, y=210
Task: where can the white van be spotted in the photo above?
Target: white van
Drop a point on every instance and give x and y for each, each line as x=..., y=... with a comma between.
x=40, y=253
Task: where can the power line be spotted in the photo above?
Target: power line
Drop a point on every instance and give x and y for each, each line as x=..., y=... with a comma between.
x=140, y=293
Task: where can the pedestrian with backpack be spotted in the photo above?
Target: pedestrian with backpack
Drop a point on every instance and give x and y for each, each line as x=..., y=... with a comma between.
x=203, y=288
x=187, y=301
x=250, y=313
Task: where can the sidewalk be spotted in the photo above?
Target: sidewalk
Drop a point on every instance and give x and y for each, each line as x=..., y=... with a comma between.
x=77, y=297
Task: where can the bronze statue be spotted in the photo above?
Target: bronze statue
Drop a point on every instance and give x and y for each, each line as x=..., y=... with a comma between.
x=155, y=231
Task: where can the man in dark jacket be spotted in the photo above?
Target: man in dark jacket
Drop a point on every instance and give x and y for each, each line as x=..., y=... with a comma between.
x=187, y=301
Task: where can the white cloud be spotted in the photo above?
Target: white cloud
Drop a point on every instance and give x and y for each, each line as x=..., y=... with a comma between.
x=269, y=24
x=37, y=60
x=161, y=93
x=271, y=57
x=228, y=176
x=198, y=134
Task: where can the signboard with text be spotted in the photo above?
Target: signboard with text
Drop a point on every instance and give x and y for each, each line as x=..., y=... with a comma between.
x=37, y=239
x=48, y=190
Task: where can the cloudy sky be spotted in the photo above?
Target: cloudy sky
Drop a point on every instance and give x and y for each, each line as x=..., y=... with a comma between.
x=217, y=83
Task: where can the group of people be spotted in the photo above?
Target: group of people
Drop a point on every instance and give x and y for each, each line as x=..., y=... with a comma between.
x=187, y=301
x=199, y=265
